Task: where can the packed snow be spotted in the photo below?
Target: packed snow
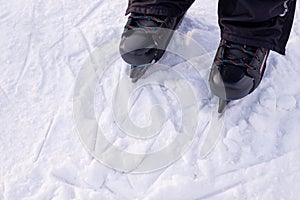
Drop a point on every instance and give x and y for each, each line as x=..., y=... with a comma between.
x=45, y=44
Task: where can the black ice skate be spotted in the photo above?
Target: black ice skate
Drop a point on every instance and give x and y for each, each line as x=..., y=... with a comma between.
x=236, y=71
x=145, y=39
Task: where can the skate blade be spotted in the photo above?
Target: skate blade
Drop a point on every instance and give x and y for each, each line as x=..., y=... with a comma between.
x=137, y=72
x=222, y=105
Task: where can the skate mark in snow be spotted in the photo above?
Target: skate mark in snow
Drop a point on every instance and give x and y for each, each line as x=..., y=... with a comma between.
x=3, y=95
x=213, y=135
x=219, y=191
x=64, y=180
x=25, y=63
x=28, y=50
x=89, y=13
x=39, y=151
x=4, y=17
x=88, y=46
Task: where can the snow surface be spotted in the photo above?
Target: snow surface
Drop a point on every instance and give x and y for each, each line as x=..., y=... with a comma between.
x=44, y=45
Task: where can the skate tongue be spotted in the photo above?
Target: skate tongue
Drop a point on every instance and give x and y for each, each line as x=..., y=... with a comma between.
x=238, y=53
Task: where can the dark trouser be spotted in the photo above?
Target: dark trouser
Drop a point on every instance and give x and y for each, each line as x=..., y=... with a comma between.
x=262, y=23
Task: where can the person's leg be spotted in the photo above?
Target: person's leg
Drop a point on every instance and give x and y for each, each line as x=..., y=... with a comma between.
x=169, y=8
x=249, y=30
x=149, y=28
x=262, y=23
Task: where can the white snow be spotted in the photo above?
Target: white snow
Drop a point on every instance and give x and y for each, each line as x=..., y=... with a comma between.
x=43, y=46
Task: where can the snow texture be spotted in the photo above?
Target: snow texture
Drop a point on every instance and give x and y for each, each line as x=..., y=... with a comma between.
x=43, y=46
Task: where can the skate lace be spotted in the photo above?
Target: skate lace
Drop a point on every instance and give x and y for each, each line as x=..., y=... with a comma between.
x=247, y=53
x=134, y=21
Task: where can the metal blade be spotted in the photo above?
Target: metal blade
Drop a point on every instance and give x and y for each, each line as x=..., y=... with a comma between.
x=222, y=105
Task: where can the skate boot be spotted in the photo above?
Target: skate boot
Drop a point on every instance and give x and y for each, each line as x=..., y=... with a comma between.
x=236, y=71
x=145, y=39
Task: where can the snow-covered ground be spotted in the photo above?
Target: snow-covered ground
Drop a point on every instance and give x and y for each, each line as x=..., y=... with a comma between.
x=43, y=46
